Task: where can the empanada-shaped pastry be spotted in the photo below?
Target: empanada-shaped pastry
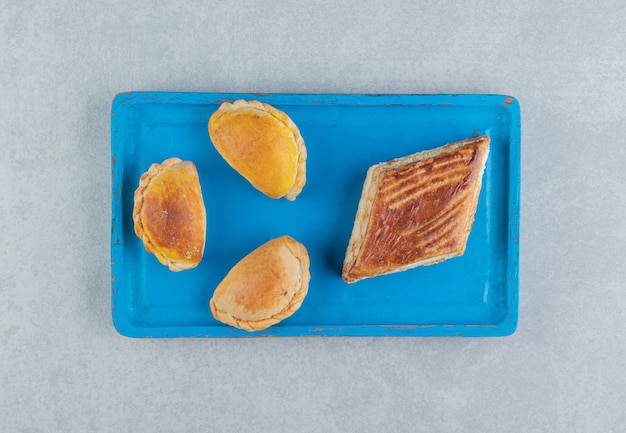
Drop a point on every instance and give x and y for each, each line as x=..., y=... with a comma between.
x=265, y=287
x=416, y=210
x=262, y=144
x=169, y=214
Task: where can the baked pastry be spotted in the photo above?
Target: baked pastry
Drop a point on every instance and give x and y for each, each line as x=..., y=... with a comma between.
x=265, y=287
x=262, y=144
x=169, y=214
x=416, y=210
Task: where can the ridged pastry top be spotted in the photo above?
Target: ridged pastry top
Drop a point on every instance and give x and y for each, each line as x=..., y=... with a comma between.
x=265, y=287
x=421, y=209
x=262, y=144
x=169, y=214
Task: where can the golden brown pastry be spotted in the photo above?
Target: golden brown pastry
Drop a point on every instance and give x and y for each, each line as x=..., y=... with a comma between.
x=169, y=214
x=263, y=145
x=416, y=210
x=265, y=287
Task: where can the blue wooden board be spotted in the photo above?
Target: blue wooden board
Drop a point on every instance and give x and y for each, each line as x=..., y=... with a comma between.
x=472, y=295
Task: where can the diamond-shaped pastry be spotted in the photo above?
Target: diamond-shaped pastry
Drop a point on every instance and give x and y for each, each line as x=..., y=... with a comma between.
x=416, y=210
x=262, y=144
x=169, y=214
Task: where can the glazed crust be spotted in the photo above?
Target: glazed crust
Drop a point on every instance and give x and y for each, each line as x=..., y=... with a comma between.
x=169, y=214
x=416, y=210
x=265, y=287
x=262, y=144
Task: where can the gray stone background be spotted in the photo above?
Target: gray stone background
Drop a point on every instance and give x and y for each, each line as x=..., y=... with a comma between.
x=64, y=368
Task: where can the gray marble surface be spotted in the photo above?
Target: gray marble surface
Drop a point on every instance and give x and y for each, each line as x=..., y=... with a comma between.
x=64, y=368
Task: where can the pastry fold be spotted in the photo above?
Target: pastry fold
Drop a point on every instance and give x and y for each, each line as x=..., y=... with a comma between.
x=262, y=144
x=265, y=287
x=169, y=214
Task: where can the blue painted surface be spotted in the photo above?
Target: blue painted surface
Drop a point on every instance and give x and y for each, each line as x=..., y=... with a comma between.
x=473, y=295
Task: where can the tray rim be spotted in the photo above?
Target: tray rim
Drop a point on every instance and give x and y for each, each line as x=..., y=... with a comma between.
x=503, y=328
